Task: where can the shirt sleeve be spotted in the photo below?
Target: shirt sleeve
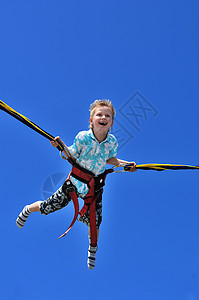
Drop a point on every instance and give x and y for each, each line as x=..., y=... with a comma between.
x=76, y=147
x=113, y=151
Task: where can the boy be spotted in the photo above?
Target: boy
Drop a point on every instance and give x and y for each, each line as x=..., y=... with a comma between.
x=92, y=149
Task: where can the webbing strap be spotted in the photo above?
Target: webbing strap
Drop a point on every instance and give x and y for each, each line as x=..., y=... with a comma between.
x=89, y=200
x=93, y=227
x=74, y=198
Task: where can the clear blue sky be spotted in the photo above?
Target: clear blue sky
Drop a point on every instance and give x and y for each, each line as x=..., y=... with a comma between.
x=56, y=57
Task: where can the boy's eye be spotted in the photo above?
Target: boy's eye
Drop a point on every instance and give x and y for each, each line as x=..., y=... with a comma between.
x=100, y=115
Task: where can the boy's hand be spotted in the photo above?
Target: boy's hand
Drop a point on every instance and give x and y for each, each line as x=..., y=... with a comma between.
x=133, y=168
x=55, y=143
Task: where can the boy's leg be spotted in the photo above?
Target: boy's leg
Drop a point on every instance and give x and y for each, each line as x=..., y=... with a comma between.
x=35, y=206
x=89, y=234
x=91, y=252
x=27, y=210
x=57, y=201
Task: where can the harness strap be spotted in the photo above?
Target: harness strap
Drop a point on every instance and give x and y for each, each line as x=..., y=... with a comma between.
x=90, y=202
x=94, y=183
x=73, y=196
x=93, y=227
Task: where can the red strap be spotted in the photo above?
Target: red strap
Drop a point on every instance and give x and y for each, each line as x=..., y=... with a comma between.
x=91, y=199
x=74, y=198
x=84, y=209
x=92, y=213
x=75, y=172
x=89, y=202
x=93, y=227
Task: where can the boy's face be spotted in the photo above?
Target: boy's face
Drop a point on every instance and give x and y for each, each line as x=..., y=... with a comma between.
x=102, y=119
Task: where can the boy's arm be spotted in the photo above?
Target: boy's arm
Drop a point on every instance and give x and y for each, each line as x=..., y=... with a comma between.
x=116, y=161
x=55, y=144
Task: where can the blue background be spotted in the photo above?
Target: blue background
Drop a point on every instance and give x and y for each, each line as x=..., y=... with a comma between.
x=57, y=57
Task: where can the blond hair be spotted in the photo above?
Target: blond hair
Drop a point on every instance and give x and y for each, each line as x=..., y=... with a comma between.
x=100, y=103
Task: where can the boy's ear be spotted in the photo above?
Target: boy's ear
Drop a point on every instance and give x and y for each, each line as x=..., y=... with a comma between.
x=90, y=121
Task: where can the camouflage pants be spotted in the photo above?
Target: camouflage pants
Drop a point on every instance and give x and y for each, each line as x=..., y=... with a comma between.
x=61, y=198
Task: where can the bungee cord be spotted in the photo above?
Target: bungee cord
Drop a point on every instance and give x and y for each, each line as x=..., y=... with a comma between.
x=126, y=167
x=159, y=167
x=27, y=122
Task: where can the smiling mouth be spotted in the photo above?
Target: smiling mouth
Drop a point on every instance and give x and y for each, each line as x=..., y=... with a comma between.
x=102, y=123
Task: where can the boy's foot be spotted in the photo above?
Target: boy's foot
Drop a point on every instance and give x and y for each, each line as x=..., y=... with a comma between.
x=20, y=221
x=91, y=257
